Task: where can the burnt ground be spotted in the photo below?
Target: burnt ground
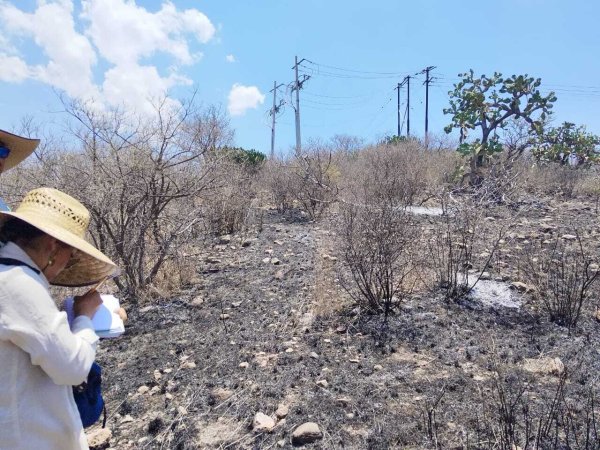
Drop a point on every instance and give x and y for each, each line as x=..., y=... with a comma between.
x=252, y=334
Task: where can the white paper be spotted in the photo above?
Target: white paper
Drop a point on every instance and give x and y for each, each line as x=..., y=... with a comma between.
x=107, y=323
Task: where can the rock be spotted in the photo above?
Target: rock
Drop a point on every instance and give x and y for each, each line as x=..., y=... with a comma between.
x=350, y=415
x=544, y=366
x=244, y=365
x=266, y=260
x=168, y=370
x=314, y=355
x=275, y=261
x=143, y=389
x=377, y=367
x=281, y=443
x=157, y=375
x=322, y=383
x=247, y=242
x=280, y=275
x=569, y=237
x=99, y=439
x=221, y=394
x=188, y=365
x=282, y=411
x=224, y=316
x=343, y=401
x=235, y=304
x=519, y=286
x=354, y=360
x=485, y=276
x=278, y=242
x=198, y=301
x=225, y=239
x=126, y=419
x=594, y=267
x=213, y=260
x=263, y=423
x=306, y=433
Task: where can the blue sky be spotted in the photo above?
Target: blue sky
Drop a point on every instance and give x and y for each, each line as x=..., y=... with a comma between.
x=233, y=51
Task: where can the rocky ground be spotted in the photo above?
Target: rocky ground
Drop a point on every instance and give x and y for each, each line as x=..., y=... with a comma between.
x=265, y=341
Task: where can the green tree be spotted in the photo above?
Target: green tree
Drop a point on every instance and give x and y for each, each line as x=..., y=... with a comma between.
x=568, y=143
x=487, y=104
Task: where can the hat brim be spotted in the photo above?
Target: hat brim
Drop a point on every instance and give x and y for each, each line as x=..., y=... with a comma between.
x=20, y=148
x=88, y=266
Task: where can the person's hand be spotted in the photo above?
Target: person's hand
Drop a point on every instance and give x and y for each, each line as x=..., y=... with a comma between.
x=122, y=314
x=87, y=304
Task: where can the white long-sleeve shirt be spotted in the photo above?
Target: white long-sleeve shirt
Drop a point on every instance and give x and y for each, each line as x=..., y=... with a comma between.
x=41, y=359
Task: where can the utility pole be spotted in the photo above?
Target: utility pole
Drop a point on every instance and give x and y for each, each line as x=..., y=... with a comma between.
x=407, y=82
x=273, y=113
x=297, y=86
x=426, y=83
x=398, y=89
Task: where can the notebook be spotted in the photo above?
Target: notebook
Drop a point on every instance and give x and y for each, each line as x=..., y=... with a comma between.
x=107, y=323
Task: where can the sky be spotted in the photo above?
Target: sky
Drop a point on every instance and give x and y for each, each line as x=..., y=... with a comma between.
x=230, y=52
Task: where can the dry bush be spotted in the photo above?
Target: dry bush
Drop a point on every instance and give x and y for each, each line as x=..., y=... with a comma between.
x=277, y=181
x=404, y=173
x=551, y=179
x=228, y=206
x=377, y=246
x=563, y=275
x=140, y=178
x=512, y=416
x=460, y=240
x=314, y=181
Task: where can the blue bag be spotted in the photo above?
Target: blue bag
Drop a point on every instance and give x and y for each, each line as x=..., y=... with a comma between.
x=88, y=397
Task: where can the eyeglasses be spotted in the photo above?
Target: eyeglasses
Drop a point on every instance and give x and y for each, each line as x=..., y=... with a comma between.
x=4, y=151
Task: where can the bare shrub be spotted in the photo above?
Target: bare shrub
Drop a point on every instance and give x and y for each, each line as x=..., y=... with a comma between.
x=377, y=250
x=553, y=179
x=228, y=206
x=512, y=416
x=315, y=181
x=563, y=275
x=140, y=178
x=460, y=240
x=402, y=173
x=278, y=181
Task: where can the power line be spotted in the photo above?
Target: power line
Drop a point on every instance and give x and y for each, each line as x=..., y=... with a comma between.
x=396, y=74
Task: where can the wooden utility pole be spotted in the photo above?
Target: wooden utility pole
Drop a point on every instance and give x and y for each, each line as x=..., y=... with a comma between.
x=398, y=89
x=273, y=113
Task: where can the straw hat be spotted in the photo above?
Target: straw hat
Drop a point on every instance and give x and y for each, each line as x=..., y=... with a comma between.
x=20, y=148
x=64, y=218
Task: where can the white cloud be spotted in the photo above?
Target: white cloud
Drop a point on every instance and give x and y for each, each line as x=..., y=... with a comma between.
x=230, y=58
x=70, y=55
x=115, y=31
x=124, y=32
x=242, y=98
x=13, y=69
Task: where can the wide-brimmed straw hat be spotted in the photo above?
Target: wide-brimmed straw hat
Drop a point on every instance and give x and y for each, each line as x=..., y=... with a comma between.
x=20, y=148
x=64, y=218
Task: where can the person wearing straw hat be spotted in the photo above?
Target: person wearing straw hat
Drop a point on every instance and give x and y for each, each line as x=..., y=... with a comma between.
x=41, y=356
x=13, y=150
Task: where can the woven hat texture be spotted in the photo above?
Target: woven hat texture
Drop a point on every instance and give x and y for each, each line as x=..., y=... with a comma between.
x=20, y=148
x=64, y=218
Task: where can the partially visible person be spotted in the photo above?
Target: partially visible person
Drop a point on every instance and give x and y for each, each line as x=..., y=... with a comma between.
x=13, y=150
x=41, y=358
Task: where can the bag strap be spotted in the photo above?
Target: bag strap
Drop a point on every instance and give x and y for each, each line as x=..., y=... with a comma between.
x=16, y=262
x=104, y=420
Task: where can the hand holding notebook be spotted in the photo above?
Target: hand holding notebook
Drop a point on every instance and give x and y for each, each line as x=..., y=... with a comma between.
x=106, y=321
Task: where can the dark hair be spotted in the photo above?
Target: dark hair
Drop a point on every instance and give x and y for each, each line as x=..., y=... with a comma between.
x=15, y=230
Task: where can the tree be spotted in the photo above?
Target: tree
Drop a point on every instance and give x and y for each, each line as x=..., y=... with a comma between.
x=141, y=177
x=568, y=144
x=487, y=104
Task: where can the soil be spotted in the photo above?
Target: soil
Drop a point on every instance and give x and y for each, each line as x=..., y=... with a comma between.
x=265, y=324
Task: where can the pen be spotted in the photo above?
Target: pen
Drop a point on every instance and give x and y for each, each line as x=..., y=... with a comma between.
x=98, y=285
